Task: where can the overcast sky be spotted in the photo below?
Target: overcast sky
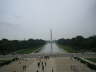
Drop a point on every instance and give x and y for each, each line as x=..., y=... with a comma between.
x=21, y=19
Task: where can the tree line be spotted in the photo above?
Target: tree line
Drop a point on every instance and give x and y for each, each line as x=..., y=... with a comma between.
x=9, y=46
x=79, y=43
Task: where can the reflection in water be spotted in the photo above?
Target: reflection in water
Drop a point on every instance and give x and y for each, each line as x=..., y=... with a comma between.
x=51, y=48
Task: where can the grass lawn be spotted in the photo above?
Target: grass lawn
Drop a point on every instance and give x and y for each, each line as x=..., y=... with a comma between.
x=29, y=50
x=4, y=61
x=25, y=51
x=92, y=59
x=67, y=48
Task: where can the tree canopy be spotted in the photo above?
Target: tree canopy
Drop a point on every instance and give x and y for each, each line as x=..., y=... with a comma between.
x=8, y=46
x=80, y=43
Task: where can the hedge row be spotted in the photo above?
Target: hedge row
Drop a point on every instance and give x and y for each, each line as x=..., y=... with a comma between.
x=88, y=63
x=8, y=62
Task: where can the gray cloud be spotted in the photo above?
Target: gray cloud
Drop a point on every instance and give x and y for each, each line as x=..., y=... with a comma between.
x=34, y=18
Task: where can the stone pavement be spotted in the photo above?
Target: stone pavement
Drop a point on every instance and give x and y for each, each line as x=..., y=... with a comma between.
x=47, y=64
x=59, y=64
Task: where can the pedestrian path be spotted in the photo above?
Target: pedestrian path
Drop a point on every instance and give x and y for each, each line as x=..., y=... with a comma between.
x=46, y=64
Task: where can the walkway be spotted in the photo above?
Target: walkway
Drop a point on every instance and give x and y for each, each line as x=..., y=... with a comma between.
x=47, y=64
